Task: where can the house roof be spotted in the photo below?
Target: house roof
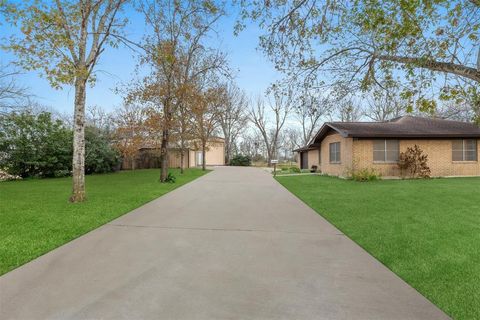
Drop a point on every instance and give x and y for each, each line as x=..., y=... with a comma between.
x=306, y=148
x=401, y=127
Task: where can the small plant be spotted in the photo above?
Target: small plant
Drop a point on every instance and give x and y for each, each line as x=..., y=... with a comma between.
x=295, y=169
x=414, y=161
x=365, y=174
x=241, y=160
x=171, y=178
x=314, y=168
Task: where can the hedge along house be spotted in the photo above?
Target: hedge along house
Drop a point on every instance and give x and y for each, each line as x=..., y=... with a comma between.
x=340, y=147
x=149, y=156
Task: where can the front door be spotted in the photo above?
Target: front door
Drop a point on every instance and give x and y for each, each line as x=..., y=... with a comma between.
x=304, y=160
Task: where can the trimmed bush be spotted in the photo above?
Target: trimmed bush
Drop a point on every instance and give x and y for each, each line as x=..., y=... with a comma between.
x=241, y=160
x=295, y=169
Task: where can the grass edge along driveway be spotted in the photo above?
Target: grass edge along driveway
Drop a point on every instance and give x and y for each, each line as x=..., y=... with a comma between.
x=36, y=217
x=426, y=231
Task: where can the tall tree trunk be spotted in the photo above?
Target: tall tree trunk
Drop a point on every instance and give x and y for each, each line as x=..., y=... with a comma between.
x=227, y=152
x=204, y=148
x=164, y=156
x=78, y=162
x=182, y=155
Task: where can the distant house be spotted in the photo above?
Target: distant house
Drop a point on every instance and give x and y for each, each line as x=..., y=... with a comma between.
x=149, y=155
x=452, y=146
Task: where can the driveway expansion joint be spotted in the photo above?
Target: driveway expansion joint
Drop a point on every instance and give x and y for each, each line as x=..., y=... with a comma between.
x=213, y=229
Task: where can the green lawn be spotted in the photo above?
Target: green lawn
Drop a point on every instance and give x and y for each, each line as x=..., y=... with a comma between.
x=36, y=217
x=426, y=231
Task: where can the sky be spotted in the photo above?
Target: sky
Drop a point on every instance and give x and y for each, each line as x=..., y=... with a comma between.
x=254, y=73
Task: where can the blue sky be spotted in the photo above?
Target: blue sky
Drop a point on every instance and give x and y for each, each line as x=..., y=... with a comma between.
x=254, y=71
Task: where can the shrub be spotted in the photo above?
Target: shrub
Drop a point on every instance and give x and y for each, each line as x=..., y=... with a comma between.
x=240, y=160
x=100, y=156
x=171, y=178
x=414, y=161
x=364, y=175
x=295, y=169
x=35, y=145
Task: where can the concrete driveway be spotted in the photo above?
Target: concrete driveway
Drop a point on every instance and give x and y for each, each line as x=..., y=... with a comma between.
x=233, y=244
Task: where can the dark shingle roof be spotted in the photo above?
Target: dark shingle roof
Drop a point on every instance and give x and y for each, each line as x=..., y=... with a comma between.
x=402, y=127
x=407, y=127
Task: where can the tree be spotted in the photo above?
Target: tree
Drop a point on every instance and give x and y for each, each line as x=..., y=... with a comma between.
x=279, y=108
x=206, y=117
x=12, y=95
x=177, y=32
x=308, y=111
x=293, y=140
x=421, y=44
x=383, y=105
x=100, y=154
x=252, y=145
x=34, y=145
x=233, y=119
x=130, y=131
x=64, y=39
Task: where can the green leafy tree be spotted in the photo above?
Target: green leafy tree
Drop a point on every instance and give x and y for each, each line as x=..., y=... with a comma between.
x=35, y=145
x=100, y=155
x=426, y=46
x=64, y=39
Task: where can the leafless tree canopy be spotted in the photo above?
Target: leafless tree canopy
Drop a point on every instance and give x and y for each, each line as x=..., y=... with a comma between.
x=13, y=96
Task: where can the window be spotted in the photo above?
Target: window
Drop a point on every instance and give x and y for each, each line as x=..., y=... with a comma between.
x=385, y=150
x=464, y=150
x=335, y=152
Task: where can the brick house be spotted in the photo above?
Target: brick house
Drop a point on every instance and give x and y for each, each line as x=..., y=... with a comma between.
x=339, y=147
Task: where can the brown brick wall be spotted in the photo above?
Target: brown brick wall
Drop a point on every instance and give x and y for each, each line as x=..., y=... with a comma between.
x=313, y=158
x=439, y=158
x=335, y=169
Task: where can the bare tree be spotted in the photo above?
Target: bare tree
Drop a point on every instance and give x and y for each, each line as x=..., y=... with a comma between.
x=64, y=40
x=309, y=111
x=383, y=105
x=259, y=115
x=12, y=95
x=97, y=117
x=348, y=110
x=252, y=145
x=293, y=139
x=233, y=119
